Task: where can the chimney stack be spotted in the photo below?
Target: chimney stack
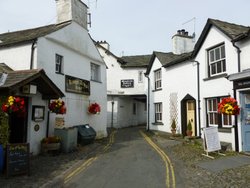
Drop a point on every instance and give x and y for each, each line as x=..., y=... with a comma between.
x=74, y=10
x=182, y=42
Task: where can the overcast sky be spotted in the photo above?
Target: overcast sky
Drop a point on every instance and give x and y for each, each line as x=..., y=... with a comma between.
x=131, y=27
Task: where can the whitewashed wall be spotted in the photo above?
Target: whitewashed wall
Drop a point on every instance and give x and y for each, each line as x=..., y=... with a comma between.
x=78, y=52
x=220, y=86
x=180, y=79
x=123, y=103
x=16, y=57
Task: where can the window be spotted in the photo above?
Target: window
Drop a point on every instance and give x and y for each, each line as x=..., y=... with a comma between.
x=158, y=112
x=140, y=76
x=59, y=64
x=214, y=118
x=158, y=79
x=217, y=60
x=95, y=72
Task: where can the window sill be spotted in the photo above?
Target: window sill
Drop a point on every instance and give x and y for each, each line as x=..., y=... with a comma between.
x=157, y=90
x=60, y=73
x=157, y=123
x=225, y=130
x=96, y=81
x=215, y=77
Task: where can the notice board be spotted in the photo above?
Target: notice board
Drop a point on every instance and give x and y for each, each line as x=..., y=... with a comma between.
x=18, y=161
x=212, y=142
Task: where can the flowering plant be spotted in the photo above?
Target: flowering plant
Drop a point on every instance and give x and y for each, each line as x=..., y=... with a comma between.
x=57, y=106
x=228, y=106
x=14, y=105
x=51, y=139
x=94, y=108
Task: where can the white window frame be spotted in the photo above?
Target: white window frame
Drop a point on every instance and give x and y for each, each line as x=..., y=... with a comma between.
x=59, y=64
x=95, y=72
x=217, y=60
x=212, y=105
x=220, y=117
x=157, y=74
x=158, y=112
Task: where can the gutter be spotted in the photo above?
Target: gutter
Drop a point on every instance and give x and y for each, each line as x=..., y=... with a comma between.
x=33, y=46
x=148, y=101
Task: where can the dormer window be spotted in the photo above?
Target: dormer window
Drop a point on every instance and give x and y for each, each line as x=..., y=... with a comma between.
x=216, y=60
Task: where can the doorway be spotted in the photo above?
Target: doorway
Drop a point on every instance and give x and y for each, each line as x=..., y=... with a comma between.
x=188, y=113
x=245, y=116
x=18, y=126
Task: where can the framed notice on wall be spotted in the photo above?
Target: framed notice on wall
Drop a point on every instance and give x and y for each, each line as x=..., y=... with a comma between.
x=127, y=83
x=77, y=85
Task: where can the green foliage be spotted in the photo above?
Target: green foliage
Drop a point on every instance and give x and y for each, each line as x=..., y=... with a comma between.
x=173, y=125
x=4, y=129
x=189, y=126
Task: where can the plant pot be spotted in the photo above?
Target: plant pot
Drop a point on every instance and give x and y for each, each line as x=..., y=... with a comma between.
x=189, y=133
x=173, y=131
x=50, y=147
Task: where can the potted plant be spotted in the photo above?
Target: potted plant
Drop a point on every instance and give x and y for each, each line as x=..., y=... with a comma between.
x=94, y=108
x=189, y=129
x=51, y=143
x=173, y=127
x=14, y=105
x=57, y=106
x=228, y=106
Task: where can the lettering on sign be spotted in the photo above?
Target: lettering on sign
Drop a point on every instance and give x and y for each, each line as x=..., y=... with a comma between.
x=18, y=161
x=127, y=83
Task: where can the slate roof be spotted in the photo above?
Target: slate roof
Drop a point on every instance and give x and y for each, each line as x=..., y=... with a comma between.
x=134, y=61
x=168, y=59
x=28, y=35
x=16, y=79
x=233, y=31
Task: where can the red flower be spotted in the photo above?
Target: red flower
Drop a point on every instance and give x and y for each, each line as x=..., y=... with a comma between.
x=57, y=106
x=94, y=108
x=14, y=105
x=228, y=106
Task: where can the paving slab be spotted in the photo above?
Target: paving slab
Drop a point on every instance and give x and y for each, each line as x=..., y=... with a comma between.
x=224, y=163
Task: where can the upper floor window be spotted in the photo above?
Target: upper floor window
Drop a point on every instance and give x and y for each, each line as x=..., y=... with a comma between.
x=95, y=72
x=140, y=76
x=214, y=118
x=158, y=79
x=59, y=64
x=217, y=60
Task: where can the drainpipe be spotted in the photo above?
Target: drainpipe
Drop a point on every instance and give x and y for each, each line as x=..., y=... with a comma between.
x=48, y=117
x=198, y=96
x=112, y=114
x=33, y=46
x=238, y=53
x=148, y=100
x=234, y=90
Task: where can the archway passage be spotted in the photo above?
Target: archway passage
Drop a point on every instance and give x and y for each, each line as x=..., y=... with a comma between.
x=188, y=113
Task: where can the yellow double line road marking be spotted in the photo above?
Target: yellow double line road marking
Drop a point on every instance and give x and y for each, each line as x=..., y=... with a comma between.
x=89, y=161
x=165, y=158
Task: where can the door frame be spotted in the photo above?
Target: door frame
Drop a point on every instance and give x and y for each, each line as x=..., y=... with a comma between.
x=184, y=114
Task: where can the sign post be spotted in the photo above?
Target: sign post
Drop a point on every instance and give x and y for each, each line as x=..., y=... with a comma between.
x=211, y=141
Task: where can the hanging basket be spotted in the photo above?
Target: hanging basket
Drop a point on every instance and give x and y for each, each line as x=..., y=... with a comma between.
x=228, y=106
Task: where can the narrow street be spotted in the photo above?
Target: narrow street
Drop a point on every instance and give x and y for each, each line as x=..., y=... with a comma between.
x=130, y=159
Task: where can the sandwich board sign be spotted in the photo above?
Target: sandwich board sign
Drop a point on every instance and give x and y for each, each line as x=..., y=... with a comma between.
x=211, y=141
